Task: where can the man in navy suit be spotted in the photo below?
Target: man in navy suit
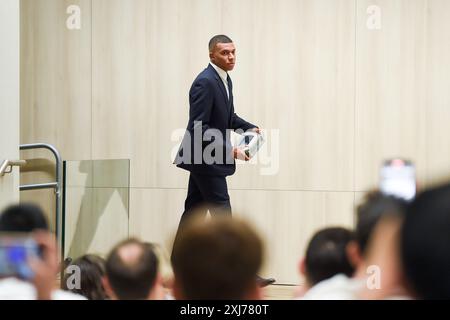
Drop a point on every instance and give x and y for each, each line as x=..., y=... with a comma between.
x=206, y=149
x=211, y=116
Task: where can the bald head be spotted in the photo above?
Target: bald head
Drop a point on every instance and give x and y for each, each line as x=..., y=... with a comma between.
x=130, y=253
x=131, y=269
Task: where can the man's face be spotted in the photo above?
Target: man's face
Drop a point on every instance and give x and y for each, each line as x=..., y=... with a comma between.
x=223, y=56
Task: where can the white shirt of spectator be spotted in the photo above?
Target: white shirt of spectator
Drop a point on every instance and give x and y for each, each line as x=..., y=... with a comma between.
x=339, y=287
x=16, y=289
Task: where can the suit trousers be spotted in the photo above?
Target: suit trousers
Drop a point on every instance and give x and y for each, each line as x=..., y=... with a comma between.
x=205, y=192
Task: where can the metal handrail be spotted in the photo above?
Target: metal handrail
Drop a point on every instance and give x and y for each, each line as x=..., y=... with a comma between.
x=9, y=164
x=50, y=185
x=57, y=185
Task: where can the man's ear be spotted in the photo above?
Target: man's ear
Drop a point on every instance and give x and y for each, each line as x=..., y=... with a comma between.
x=302, y=266
x=303, y=274
x=157, y=292
x=108, y=289
x=354, y=254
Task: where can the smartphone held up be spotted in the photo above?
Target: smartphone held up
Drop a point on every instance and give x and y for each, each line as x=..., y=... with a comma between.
x=398, y=178
x=16, y=250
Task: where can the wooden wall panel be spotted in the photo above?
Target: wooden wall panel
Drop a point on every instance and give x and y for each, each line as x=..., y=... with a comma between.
x=56, y=77
x=295, y=74
x=145, y=56
x=437, y=104
x=55, y=90
x=9, y=97
x=288, y=219
x=390, y=88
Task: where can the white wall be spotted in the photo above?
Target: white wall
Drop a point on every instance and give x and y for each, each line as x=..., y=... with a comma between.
x=9, y=96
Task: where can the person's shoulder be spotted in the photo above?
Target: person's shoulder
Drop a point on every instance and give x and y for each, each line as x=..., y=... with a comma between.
x=207, y=75
x=15, y=289
x=203, y=81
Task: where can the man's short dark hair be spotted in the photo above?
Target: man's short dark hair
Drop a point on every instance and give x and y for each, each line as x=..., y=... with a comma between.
x=217, y=260
x=425, y=243
x=23, y=218
x=218, y=39
x=132, y=280
x=375, y=206
x=326, y=255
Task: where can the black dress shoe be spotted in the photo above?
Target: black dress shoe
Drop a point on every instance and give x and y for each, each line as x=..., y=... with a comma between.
x=264, y=282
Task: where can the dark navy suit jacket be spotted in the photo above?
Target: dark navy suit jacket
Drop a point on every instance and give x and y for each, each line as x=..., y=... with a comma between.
x=210, y=105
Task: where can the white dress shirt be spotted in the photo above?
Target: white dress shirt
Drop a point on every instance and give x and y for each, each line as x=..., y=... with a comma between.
x=15, y=289
x=223, y=75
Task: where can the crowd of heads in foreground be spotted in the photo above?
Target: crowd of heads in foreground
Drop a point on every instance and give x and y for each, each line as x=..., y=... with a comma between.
x=396, y=250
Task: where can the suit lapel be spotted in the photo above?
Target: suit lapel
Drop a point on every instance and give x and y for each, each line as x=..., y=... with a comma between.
x=222, y=88
x=220, y=84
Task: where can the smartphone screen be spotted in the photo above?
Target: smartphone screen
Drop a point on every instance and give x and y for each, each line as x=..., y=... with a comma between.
x=15, y=252
x=398, y=178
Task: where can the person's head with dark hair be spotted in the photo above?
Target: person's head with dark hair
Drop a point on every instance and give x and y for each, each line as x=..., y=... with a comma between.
x=28, y=220
x=376, y=252
x=373, y=252
x=375, y=206
x=132, y=272
x=425, y=244
x=218, y=39
x=217, y=260
x=382, y=271
x=222, y=52
x=23, y=218
x=326, y=255
x=92, y=270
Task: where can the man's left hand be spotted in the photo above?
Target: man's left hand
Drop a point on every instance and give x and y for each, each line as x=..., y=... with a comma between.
x=257, y=130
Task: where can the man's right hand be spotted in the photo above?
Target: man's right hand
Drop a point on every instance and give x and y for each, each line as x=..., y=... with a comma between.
x=240, y=154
